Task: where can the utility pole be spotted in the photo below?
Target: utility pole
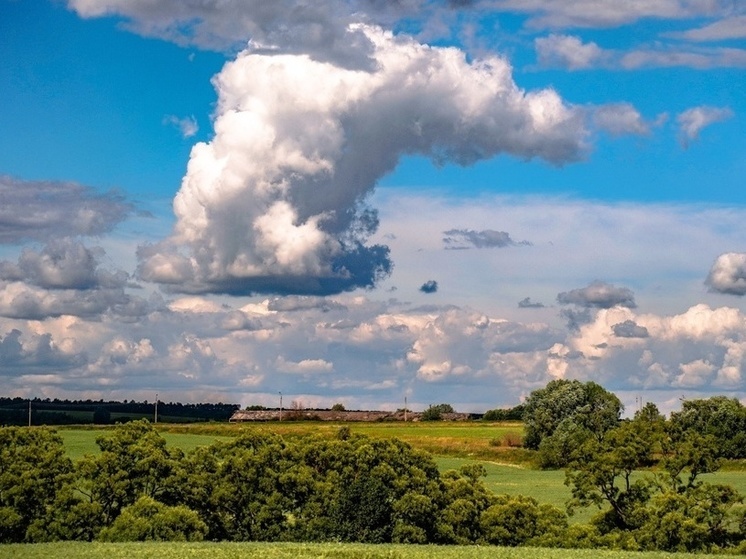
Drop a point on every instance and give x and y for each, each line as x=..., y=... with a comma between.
x=156, y=408
x=29, y=412
x=405, y=409
x=280, y=406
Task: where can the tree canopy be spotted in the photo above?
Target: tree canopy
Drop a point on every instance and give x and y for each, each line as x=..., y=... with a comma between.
x=560, y=416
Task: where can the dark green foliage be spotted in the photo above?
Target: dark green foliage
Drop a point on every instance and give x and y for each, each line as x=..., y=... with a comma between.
x=509, y=414
x=338, y=407
x=149, y=520
x=363, y=511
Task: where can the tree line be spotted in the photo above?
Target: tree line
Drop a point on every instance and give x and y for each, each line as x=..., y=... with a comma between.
x=15, y=411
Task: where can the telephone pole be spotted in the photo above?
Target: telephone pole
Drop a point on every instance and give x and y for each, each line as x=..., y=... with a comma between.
x=156, y=408
x=280, y=406
x=29, y=412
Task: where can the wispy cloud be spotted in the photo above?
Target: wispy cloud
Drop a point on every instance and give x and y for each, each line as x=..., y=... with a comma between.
x=728, y=28
x=187, y=125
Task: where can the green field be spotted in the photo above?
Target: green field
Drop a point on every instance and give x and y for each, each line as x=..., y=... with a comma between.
x=78, y=550
x=79, y=442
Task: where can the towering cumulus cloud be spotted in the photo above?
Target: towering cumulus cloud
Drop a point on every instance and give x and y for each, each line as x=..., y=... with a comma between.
x=276, y=201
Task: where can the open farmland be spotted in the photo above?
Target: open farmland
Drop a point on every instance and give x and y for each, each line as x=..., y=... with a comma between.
x=95, y=550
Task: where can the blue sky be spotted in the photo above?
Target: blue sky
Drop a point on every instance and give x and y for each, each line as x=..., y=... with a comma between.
x=219, y=201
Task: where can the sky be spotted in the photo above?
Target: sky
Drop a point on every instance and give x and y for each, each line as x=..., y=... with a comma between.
x=358, y=202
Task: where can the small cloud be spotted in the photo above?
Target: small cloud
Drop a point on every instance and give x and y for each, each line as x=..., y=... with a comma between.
x=568, y=51
x=527, y=303
x=630, y=329
x=692, y=121
x=187, y=126
x=460, y=239
x=728, y=274
x=599, y=295
x=430, y=286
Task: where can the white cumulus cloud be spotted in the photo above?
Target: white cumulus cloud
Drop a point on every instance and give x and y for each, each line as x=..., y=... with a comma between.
x=275, y=202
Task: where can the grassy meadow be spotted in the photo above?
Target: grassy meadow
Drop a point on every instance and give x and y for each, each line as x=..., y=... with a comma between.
x=476, y=440
x=84, y=550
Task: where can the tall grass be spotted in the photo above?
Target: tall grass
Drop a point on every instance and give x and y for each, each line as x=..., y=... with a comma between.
x=85, y=550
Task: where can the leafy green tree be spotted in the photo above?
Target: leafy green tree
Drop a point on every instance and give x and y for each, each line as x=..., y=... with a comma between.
x=133, y=462
x=572, y=409
x=33, y=470
x=601, y=473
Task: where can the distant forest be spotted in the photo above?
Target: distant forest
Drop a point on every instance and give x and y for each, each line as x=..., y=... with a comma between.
x=15, y=411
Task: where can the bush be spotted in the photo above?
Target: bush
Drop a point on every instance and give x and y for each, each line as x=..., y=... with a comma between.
x=435, y=413
x=149, y=520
